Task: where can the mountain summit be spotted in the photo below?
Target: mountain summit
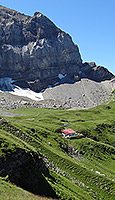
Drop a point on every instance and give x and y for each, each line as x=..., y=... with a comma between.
x=33, y=51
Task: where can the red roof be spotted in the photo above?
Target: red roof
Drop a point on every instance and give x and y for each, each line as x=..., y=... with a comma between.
x=68, y=131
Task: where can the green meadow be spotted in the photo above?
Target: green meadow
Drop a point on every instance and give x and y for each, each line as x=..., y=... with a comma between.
x=32, y=148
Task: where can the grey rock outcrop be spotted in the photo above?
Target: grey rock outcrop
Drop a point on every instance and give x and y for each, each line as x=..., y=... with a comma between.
x=96, y=73
x=33, y=51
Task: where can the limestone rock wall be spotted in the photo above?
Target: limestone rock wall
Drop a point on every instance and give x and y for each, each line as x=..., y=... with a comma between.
x=34, y=49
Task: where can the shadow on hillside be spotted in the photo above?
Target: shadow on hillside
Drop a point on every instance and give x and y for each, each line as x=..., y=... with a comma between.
x=27, y=171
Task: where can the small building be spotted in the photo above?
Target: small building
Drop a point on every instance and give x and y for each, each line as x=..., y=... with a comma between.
x=68, y=132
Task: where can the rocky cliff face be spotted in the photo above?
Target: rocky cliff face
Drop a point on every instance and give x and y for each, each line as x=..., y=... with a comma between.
x=33, y=50
x=96, y=73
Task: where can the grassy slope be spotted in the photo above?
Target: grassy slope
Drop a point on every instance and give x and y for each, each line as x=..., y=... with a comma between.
x=83, y=168
x=12, y=192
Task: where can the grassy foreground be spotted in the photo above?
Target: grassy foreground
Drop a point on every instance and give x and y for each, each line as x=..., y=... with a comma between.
x=35, y=156
x=12, y=192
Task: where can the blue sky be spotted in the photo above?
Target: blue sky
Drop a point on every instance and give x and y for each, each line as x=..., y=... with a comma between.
x=91, y=23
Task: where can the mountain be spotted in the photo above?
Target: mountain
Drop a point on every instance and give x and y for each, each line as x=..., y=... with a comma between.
x=33, y=52
x=41, y=68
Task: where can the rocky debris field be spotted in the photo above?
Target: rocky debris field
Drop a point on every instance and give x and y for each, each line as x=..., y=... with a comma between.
x=82, y=94
x=9, y=101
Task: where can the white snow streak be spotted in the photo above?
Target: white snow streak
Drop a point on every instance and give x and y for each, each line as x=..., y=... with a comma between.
x=6, y=85
x=27, y=93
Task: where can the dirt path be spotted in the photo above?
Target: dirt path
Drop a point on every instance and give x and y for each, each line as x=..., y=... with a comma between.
x=9, y=114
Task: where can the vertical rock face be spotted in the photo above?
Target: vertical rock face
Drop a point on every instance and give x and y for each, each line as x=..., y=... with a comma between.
x=33, y=50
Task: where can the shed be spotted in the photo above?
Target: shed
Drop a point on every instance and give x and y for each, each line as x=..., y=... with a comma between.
x=68, y=132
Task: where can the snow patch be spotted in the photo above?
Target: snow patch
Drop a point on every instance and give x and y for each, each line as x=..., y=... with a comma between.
x=6, y=85
x=27, y=93
x=61, y=76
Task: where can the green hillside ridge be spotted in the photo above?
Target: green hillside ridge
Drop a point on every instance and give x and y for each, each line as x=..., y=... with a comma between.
x=12, y=192
x=35, y=156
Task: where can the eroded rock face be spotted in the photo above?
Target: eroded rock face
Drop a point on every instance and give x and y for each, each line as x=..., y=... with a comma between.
x=96, y=73
x=33, y=49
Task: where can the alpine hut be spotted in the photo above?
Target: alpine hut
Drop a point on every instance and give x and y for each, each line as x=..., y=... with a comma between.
x=68, y=132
